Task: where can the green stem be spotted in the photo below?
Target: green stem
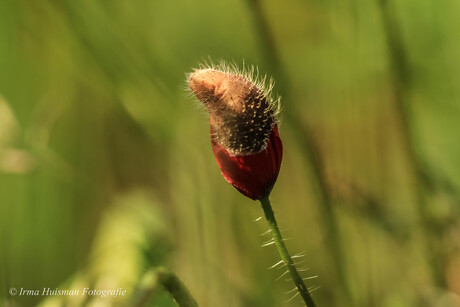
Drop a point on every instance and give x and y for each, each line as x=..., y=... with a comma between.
x=161, y=276
x=270, y=216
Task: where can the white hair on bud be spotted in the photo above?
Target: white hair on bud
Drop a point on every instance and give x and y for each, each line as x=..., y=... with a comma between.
x=242, y=109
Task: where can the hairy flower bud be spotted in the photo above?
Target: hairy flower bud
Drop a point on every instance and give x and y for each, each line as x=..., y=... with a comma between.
x=244, y=134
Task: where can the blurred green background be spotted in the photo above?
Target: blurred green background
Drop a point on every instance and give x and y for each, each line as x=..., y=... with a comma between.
x=106, y=168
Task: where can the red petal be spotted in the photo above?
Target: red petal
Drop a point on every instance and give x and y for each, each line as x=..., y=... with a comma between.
x=253, y=175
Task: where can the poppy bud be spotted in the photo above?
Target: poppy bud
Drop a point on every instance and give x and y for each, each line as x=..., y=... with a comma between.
x=244, y=133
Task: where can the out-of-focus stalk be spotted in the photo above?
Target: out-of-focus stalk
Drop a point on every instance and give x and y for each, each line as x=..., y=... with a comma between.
x=304, y=135
x=162, y=277
x=402, y=83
